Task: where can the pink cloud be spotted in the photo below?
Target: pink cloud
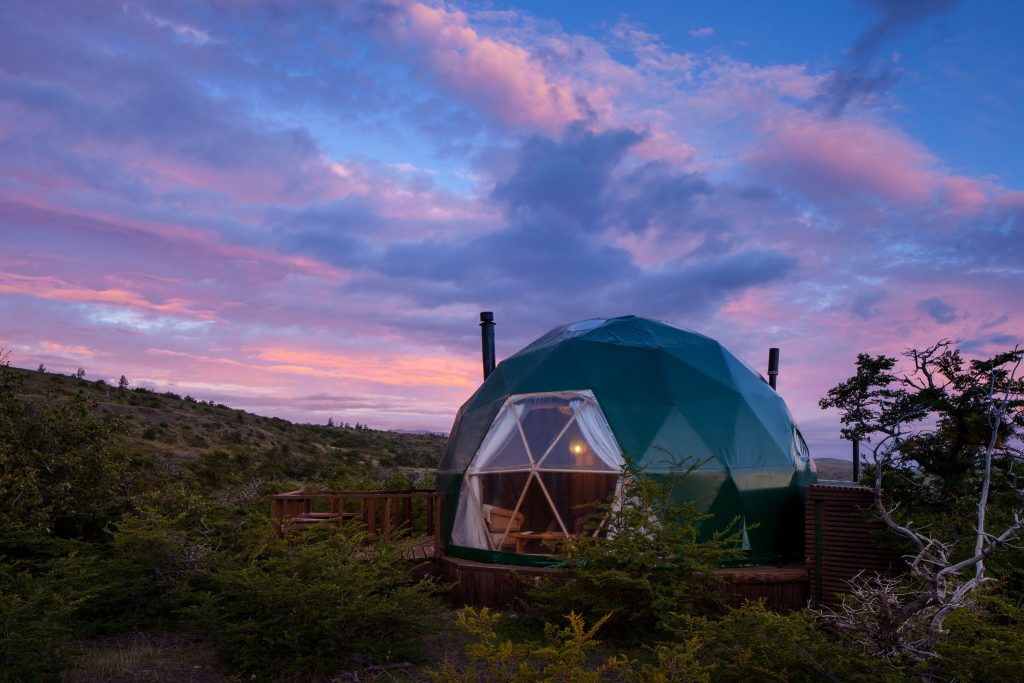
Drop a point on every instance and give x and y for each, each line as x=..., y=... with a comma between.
x=193, y=357
x=1012, y=199
x=842, y=156
x=49, y=287
x=386, y=368
x=965, y=195
x=195, y=245
x=820, y=338
x=498, y=75
x=67, y=350
x=850, y=157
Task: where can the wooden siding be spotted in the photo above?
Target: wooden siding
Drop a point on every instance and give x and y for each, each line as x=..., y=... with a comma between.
x=497, y=586
x=500, y=586
x=783, y=588
x=842, y=539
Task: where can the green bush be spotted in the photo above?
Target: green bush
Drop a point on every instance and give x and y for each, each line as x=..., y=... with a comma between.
x=748, y=643
x=647, y=566
x=303, y=608
x=753, y=643
x=984, y=642
x=34, y=634
x=57, y=472
x=157, y=553
x=562, y=657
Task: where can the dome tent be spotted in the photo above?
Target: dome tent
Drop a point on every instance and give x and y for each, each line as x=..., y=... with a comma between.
x=542, y=440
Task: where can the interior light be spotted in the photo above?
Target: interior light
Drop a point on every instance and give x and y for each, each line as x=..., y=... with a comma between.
x=577, y=448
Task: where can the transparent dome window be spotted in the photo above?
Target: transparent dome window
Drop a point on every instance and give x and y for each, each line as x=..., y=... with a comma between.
x=801, y=453
x=542, y=471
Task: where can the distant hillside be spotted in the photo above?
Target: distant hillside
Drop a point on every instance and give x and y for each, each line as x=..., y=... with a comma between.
x=834, y=468
x=214, y=446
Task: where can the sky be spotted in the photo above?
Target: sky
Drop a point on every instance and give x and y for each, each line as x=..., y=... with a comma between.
x=299, y=209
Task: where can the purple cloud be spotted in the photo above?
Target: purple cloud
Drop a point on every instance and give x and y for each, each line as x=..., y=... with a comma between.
x=938, y=310
x=301, y=210
x=863, y=74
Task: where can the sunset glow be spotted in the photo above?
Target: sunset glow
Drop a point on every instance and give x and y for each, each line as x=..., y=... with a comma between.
x=301, y=211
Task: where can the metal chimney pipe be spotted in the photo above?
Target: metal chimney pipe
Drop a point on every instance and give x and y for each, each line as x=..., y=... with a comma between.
x=856, y=460
x=773, y=366
x=487, y=341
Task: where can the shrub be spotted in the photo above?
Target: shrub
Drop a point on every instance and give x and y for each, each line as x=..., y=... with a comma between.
x=157, y=552
x=33, y=628
x=57, y=472
x=562, y=657
x=753, y=643
x=748, y=643
x=984, y=642
x=303, y=608
x=648, y=565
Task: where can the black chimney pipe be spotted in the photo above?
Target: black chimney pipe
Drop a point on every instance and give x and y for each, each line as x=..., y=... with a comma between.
x=856, y=461
x=773, y=366
x=487, y=341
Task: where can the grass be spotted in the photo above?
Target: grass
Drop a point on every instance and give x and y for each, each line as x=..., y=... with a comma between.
x=146, y=657
x=170, y=658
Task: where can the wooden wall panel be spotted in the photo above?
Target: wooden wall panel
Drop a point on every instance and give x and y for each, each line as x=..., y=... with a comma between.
x=842, y=539
x=489, y=585
x=501, y=586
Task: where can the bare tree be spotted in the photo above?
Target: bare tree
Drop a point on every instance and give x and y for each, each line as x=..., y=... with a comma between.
x=953, y=425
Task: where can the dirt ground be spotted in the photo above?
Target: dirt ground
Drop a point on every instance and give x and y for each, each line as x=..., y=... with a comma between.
x=175, y=658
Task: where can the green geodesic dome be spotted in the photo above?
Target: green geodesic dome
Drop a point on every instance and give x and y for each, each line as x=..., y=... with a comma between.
x=549, y=426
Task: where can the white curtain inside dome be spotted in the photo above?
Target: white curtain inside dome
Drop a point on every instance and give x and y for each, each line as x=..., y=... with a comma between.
x=469, y=529
x=503, y=445
x=599, y=435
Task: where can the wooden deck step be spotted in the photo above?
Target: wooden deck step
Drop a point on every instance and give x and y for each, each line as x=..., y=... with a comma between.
x=420, y=549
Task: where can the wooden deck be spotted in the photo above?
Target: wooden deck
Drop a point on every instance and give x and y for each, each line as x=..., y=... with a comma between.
x=411, y=513
x=840, y=541
x=421, y=549
x=501, y=586
x=498, y=586
x=782, y=587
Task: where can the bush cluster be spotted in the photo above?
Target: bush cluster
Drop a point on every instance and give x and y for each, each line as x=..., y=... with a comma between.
x=96, y=543
x=304, y=608
x=647, y=565
x=96, y=540
x=743, y=644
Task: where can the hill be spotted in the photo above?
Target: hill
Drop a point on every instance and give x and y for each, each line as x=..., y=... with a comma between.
x=216, y=446
x=213, y=446
x=834, y=468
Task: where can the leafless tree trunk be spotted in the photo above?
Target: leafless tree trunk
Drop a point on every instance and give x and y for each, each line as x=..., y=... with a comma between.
x=891, y=616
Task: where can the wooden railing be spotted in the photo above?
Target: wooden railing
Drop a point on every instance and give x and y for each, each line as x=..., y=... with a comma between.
x=405, y=512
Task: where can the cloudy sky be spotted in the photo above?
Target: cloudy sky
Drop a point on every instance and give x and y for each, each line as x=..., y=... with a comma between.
x=300, y=208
